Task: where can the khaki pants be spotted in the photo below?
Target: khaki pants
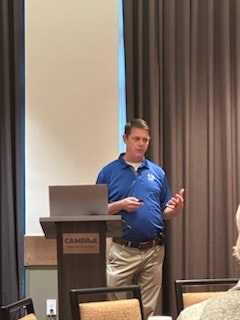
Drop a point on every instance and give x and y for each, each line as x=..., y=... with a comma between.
x=128, y=265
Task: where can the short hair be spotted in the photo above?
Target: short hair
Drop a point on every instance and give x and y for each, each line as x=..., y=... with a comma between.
x=236, y=248
x=136, y=123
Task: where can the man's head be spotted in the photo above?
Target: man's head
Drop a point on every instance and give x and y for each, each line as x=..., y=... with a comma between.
x=136, y=137
x=236, y=249
x=136, y=123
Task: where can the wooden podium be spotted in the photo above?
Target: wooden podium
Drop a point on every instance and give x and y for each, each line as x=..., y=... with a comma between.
x=81, y=252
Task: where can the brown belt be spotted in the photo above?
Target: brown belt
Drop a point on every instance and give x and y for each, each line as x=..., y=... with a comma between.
x=140, y=245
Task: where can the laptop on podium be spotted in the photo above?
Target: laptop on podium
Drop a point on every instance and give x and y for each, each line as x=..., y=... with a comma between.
x=72, y=200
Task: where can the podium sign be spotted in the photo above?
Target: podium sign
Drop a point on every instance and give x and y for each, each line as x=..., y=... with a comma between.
x=81, y=252
x=81, y=243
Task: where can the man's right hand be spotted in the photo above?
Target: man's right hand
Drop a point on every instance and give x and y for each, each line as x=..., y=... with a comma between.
x=128, y=204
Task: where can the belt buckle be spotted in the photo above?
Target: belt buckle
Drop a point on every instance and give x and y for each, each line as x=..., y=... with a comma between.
x=145, y=245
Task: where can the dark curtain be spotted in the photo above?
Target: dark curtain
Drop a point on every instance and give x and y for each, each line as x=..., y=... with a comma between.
x=182, y=76
x=11, y=149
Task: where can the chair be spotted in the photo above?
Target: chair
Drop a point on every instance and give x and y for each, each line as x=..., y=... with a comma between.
x=188, y=292
x=95, y=304
x=22, y=309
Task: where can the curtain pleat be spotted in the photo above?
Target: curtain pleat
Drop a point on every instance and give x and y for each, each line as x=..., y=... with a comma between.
x=182, y=76
x=12, y=149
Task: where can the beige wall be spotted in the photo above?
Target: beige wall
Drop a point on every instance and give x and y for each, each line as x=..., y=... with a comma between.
x=71, y=50
x=71, y=96
x=42, y=284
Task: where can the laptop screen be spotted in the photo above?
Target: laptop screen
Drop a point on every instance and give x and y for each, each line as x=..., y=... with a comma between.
x=72, y=200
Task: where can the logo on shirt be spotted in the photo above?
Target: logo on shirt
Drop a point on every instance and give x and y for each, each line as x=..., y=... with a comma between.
x=151, y=177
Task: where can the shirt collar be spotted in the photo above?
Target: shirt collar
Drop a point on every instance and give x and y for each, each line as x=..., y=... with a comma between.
x=124, y=163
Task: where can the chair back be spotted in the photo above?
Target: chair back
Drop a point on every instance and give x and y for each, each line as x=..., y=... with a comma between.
x=93, y=303
x=22, y=309
x=188, y=292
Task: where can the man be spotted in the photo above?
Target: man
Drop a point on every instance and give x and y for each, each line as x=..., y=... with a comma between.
x=222, y=307
x=138, y=190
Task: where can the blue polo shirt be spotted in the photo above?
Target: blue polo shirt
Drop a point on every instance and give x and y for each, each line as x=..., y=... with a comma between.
x=149, y=183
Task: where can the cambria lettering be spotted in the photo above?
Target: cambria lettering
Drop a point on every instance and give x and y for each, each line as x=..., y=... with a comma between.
x=80, y=240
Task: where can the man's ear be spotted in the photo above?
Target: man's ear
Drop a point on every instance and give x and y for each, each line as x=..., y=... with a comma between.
x=124, y=138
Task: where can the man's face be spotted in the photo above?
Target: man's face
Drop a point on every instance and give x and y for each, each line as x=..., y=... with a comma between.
x=136, y=144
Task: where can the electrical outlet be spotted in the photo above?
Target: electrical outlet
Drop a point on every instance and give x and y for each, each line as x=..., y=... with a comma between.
x=51, y=307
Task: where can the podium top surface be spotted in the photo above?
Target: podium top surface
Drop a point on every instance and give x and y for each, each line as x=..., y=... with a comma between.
x=113, y=223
